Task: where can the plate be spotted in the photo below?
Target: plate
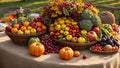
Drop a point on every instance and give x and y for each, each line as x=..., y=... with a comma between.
x=2, y=26
x=104, y=52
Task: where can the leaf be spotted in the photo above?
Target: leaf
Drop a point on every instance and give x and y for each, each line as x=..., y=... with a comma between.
x=65, y=11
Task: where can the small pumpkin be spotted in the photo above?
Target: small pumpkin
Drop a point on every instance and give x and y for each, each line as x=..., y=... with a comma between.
x=36, y=49
x=66, y=53
x=76, y=53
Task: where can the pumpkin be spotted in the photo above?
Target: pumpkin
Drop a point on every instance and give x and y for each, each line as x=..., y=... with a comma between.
x=36, y=49
x=66, y=53
x=76, y=53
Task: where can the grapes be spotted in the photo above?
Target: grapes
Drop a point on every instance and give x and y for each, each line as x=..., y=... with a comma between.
x=76, y=16
x=50, y=46
x=109, y=40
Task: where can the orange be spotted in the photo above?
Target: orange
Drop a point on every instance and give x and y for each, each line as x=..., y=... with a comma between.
x=26, y=23
x=38, y=24
x=14, y=30
x=43, y=27
x=16, y=26
x=23, y=28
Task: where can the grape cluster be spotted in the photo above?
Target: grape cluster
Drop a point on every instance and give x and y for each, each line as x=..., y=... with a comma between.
x=109, y=40
x=50, y=46
x=38, y=19
x=76, y=16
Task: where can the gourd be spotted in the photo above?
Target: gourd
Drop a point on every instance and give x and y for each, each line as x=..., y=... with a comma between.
x=66, y=53
x=96, y=20
x=87, y=14
x=36, y=49
x=76, y=53
x=86, y=25
x=32, y=40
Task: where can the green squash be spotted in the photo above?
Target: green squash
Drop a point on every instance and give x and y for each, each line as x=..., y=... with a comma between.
x=87, y=14
x=32, y=40
x=96, y=20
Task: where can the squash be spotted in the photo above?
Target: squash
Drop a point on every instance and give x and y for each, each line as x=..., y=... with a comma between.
x=87, y=14
x=96, y=20
x=76, y=53
x=32, y=40
x=85, y=25
x=66, y=53
x=36, y=49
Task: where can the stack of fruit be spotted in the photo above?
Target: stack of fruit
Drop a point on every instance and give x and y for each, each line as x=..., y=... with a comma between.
x=67, y=29
x=26, y=25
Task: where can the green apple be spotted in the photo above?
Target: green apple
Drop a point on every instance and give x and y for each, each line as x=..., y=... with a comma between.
x=33, y=31
x=66, y=33
x=68, y=37
x=27, y=32
x=20, y=32
x=81, y=40
x=29, y=27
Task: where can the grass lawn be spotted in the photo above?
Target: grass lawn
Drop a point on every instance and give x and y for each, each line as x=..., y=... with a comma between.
x=35, y=4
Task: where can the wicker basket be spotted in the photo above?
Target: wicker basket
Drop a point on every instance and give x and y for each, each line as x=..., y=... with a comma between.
x=75, y=46
x=104, y=52
x=22, y=39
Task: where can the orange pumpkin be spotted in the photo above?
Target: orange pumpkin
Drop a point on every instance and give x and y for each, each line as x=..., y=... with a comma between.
x=66, y=53
x=36, y=49
x=76, y=53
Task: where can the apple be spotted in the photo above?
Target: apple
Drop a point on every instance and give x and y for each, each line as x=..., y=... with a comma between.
x=35, y=27
x=68, y=37
x=27, y=31
x=8, y=28
x=92, y=36
x=84, y=56
x=33, y=31
x=51, y=28
x=29, y=27
x=39, y=29
x=74, y=39
x=107, y=47
x=81, y=40
x=20, y=32
x=96, y=30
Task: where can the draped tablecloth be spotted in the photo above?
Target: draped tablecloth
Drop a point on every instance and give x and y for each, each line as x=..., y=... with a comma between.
x=17, y=56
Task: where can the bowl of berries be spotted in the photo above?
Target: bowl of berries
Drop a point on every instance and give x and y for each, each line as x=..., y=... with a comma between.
x=108, y=45
x=20, y=32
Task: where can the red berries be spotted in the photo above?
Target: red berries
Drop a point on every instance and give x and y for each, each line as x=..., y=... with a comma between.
x=84, y=56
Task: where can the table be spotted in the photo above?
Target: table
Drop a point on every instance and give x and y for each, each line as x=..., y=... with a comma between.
x=17, y=56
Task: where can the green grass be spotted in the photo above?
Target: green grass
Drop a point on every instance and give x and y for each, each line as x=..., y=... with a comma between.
x=34, y=5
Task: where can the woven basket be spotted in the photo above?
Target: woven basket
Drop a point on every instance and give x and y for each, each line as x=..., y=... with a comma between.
x=107, y=17
x=104, y=52
x=75, y=46
x=22, y=39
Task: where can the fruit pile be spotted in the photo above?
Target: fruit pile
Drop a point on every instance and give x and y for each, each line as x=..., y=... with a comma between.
x=26, y=27
x=106, y=44
x=67, y=29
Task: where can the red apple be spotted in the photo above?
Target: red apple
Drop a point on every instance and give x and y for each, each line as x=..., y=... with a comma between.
x=74, y=39
x=96, y=29
x=51, y=28
x=84, y=56
x=39, y=29
x=92, y=36
x=8, y=28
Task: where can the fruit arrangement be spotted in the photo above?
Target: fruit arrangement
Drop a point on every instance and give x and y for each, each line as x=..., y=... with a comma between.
x=106, y=45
